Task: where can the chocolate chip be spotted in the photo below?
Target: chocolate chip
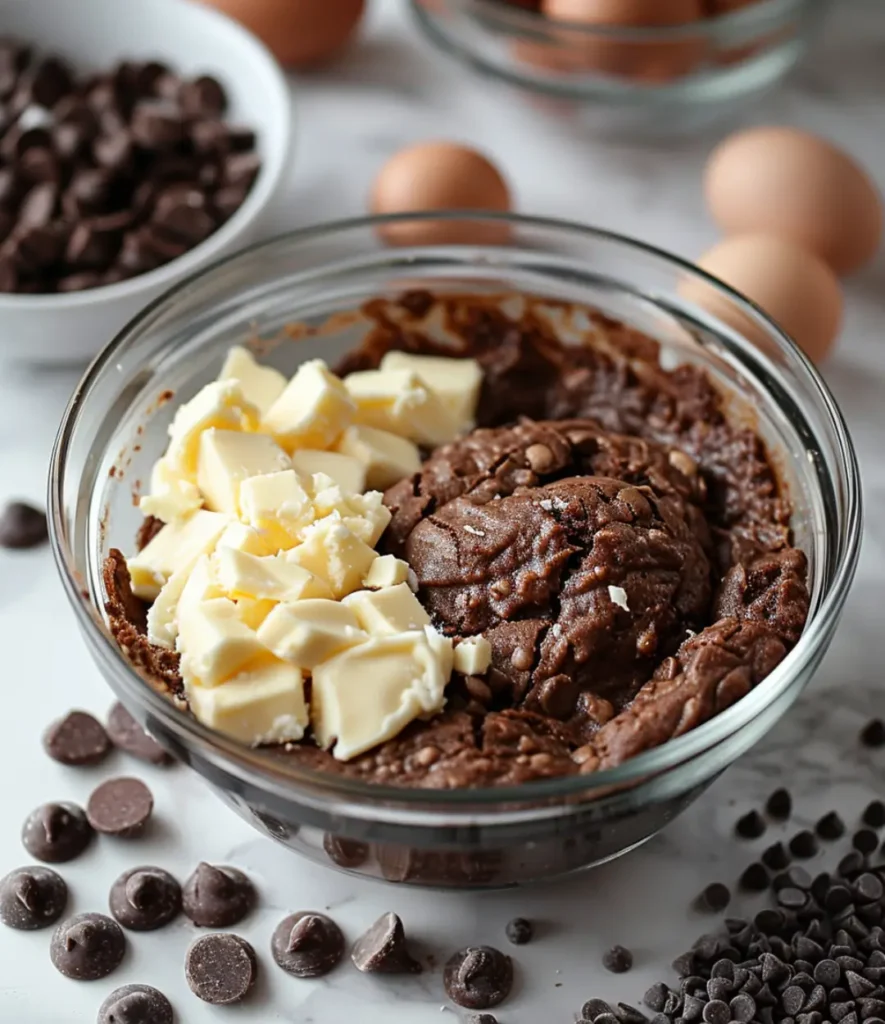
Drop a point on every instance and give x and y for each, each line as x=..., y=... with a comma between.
x=873, y=733
x=803, y=844
x=776, y=857
x=382, y=949
x=868, y=888
x=114, y=152
x=865, y=841
x=715, y=898
x=32, y=898
x=874, y=814
x=307, y=944
x=594, y=1008
x=156, y=125
x=217, y=897
x=478, y=977
x=145, y=898
x=220, y=968
x=627, y=1014
x=55, y=833
x=346, y=853
x=203, y=97
x=755, y=878
x=241, y=169
x=750, y=825
x=120, y=807
x=779, y=805
x=77, y=739
x=830, y=826
x=482, y=1018
x=138, y=254
x=87, y=947
x=50, y=80
x=618, y=960
x=184, y=216
x=851, y=864
x=135, y=1004
x=91, y=191
x=519, y=931
x=22, y=525
x=127, y=735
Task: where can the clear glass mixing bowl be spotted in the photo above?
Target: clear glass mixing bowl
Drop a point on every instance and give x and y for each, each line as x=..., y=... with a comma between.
x=115, y=428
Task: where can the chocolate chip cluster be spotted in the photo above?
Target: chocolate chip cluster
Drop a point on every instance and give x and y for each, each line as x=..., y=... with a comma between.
x=109, y=175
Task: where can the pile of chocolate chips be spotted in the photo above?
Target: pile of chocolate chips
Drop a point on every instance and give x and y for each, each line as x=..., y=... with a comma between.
x=109, y=175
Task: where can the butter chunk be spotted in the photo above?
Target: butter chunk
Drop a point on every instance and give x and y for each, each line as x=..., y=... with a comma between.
x=220, y=404
x=162, y=616
x=254, y=610
x=369, y=693
x=331, y=551
x=365, y=515
x=270, y=578
x=172, y=496
x=215, y=643
x=264, y=705
x=313, y=410
x=344, y=470
x=245, y=538
x=386, y=571
x=456, y=382
x=387, y=458
x=400, y=402
x=473, y=656
x=227, y=457
x=177, y=546
x=309, y=632
x=277, y=506
x=388, y=611
x=261, y=385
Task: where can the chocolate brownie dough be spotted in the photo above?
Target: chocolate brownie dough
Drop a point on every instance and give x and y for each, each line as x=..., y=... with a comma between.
x=624, y=547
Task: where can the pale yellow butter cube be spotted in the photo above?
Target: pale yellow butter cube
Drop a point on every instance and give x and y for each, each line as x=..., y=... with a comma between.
x=442, y=648
x=388, y=611
x=335, y=554
x=172, y=495
x=162, y=616
x=386, y=571
x=220, y=404
x=387, y=458
x=262, y=385
x=345, y=471
x=367, y=694
x=309, y=632
x=253, y=611
x=313, y=410
x=456, y=382
x=368, y=517
x=177, y=546
x=277, y=506
x=215, y=643
x=270, y=577
x=400, y=402
x=246, y=538
x=473, y=656
x=227, y=457
x=264, y=705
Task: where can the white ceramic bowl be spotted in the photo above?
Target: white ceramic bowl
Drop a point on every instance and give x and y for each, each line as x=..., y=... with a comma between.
x=192, y=39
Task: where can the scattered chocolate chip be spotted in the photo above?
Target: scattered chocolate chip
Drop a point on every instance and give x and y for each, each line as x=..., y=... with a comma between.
x=873, y=733
x=776, y=857
x=478, y=977
x=55, y=833
x=307, y=944
x=77, y=739
x=594, y=1008
x=618, y=960
x=851, y=864
x=715, y=898
x=519, y=931
x=87, y=947
x=32, y=898
x=382, y=949
x=803, y=844
x=135, y=1004
x=126, y=734
x=120, y=807
x=346, y=853
x=220, y=968
x=203, y=97
x=145, y=898
x=874, y=814
x=865, y=841
x=779, y=805
x=755, y=878
x=482, y=1018
x=750, y=825
x=830, y=826
x=21, y=525
x=217, y=897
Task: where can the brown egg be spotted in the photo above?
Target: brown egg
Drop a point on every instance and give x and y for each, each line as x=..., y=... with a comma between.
x=786, y=182
x=647, y=61
x=299, y=33
x=796, y=289
x=440, y=176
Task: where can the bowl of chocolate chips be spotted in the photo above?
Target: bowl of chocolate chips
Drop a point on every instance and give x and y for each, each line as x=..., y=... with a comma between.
x=133, y=151
x=454, y=565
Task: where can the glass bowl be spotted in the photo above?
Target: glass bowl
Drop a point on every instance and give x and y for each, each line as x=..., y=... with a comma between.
x=115, y=428
x=626, y=81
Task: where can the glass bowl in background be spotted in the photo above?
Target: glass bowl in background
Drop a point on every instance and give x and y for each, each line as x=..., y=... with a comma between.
x=626, y=81
x=115, y=428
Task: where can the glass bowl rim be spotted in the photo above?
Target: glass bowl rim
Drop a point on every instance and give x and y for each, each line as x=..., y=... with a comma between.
x=272, y=774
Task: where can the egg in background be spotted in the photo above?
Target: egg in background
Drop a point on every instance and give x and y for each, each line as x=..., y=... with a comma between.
x=795, y=288
x=653, y=61
x=299, y=33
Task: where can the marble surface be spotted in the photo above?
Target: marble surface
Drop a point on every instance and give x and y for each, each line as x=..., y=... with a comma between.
x=390, y=90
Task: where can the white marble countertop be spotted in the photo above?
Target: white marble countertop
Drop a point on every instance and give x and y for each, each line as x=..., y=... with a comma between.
x=393, y=89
